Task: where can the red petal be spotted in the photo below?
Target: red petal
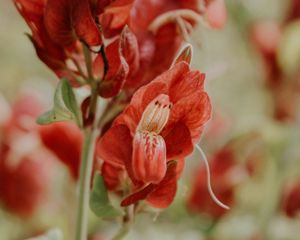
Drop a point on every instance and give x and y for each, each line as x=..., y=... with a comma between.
x=48, y=51
x=159, y=85
x=163, y=195
x=149, y=157
x=112, y=175
x=30, y=10
x=53, y=61
x=159, y=195
x=117, y=71
x=194, y=111
x=64, y=140
x=114, y=19
x=112, y=148
x=137, y=196
x=57, y=20
x=178, y=141
x=183, y=87
x=130, y=50
x=84, y=23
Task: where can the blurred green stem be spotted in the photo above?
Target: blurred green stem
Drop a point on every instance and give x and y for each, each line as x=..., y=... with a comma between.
x=126, y=223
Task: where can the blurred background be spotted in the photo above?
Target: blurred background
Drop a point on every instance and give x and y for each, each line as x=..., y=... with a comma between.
x=252, y=142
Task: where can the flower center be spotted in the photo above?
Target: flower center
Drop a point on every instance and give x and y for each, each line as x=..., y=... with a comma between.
x=156, y=115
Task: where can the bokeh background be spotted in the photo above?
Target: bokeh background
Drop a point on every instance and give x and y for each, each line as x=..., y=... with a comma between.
x=254, y=151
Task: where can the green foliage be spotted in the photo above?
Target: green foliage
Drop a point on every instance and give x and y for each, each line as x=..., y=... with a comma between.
x=65, y=106
x=99, y=202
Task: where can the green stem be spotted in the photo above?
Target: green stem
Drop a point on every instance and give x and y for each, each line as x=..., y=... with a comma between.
x=87, y=157
x=126, y=223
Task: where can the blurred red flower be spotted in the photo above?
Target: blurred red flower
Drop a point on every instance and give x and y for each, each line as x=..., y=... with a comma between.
x=64, y=139
x=291, y=201
x=24, y=184
x=162, y=122
x=25, y=166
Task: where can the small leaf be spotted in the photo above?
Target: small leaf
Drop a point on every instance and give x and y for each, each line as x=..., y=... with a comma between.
x=70, y=100
x=52, y=234
x=99, y=202
x=65, y=106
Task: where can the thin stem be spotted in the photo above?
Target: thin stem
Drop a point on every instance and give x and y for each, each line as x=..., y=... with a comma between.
x=84, y=182
x=88, y=61
x=126, y=223
x=87, y=156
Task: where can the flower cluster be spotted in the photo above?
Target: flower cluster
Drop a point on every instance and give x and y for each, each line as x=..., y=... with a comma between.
x=144, y=37
x=26, y=164
x=156, y=107
x=282, y=79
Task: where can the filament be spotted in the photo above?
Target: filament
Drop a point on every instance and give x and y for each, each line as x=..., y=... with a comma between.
x=209, y=188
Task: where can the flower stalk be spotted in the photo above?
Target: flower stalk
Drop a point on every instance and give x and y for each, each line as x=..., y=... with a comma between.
x=90, y=133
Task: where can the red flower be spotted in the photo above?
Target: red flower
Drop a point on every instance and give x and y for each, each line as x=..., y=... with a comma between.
x=24, y=186
x=216, y=13
x=294, y=11
x=159, y=35
x=284, y=88
x=222, y=166
x=162, y=122
x=25, y=166
x=58, y=26
x=51, y=53
x=291, y=201
x=64, y=139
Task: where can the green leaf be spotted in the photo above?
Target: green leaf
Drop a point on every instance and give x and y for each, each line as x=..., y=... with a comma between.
x=65, y=106
x=52, y=234
x=99, y=202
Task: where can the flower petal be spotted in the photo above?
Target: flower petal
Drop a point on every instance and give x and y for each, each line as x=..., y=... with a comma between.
x=115, y=146
x=64, y=140
x=112, y=175
x=117, y=70
x=164, y=193
x=57, y=21
x=137, y=196
x=184, y=87
x=84, y=23
x=194, y=111
x=115, y=17
x=149, y=157
x=178, y=141
x=130, y=50
x=167, y=187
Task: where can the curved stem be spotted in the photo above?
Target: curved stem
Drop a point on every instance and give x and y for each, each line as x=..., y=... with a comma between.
x=211, y=193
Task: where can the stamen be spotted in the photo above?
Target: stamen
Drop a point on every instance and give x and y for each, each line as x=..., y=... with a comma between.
x=156, y=115
x=211, y=193
x=172, y=16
